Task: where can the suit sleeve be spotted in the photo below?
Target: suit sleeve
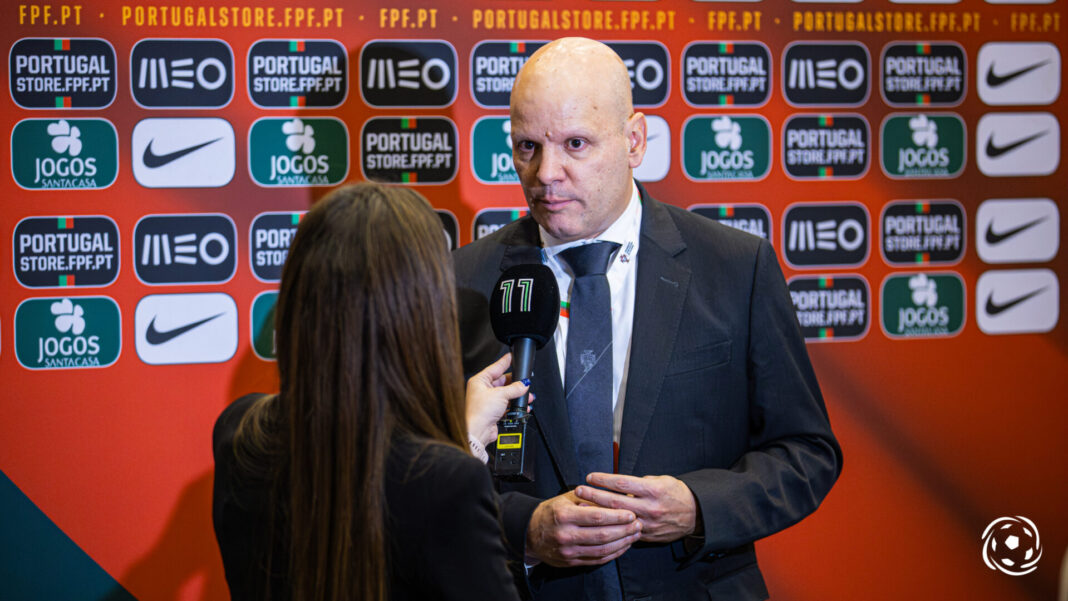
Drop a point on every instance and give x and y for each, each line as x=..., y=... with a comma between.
x=793, y=457
x=463, y=549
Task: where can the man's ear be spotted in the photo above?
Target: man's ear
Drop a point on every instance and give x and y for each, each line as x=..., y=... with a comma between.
x=636, y=139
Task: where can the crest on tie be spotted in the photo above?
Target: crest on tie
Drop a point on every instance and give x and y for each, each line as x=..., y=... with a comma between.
x=588, y=360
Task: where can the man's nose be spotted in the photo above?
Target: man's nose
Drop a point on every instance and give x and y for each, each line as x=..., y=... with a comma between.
x=550, y=165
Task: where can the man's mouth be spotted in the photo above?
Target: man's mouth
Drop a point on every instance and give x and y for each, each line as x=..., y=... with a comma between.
x=553, y=202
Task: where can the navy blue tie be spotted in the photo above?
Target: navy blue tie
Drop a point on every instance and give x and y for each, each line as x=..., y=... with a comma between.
x=588, y=379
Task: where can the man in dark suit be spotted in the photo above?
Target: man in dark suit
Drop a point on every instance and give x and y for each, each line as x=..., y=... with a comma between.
x=719, y=427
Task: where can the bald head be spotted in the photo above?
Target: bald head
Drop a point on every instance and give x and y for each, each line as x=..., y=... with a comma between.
x=575, y=137
x=577, y=66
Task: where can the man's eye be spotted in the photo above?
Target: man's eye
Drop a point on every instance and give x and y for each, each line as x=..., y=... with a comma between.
x=576, y=143
x=525, y=145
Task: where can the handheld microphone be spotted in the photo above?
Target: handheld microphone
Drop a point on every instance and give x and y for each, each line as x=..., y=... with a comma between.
x=524, y=309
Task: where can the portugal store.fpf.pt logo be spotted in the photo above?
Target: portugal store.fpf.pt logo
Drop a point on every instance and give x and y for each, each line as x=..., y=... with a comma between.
x=726, y=74
x=62, y=73
x=297, y=73
x=831, y=308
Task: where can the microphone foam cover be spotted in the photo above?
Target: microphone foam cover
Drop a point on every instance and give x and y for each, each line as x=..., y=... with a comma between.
x=525, y=304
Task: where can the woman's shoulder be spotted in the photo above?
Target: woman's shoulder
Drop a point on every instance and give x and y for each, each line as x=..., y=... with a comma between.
x=437, y=467
x=228, y=421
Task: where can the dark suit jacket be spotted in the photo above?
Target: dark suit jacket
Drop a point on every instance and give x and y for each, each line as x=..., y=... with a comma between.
x=720, y=394
x=443, y=531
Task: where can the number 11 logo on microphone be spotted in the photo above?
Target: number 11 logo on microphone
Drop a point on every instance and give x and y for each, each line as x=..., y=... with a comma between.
x=526, y=288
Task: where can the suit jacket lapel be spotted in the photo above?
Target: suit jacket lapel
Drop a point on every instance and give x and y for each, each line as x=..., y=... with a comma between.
x=659, y=294
x=550, y=407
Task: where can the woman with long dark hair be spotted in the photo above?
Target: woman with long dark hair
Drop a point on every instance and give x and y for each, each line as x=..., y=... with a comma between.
x=354, y=481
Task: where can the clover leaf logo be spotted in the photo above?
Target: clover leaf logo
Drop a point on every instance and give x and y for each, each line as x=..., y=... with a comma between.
x=299, y=136
x=65, y=138
x=924, y=131
x=924, y=290
x=69, y=317
x=728, y=133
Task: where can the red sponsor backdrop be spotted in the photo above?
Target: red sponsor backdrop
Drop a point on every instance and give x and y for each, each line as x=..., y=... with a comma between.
x=941, y=435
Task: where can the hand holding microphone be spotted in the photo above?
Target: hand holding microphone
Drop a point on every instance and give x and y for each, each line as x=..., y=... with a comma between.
x=488, y=395
x=524, y=309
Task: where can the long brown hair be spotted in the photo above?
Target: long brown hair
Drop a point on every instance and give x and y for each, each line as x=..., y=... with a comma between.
x=367, y=347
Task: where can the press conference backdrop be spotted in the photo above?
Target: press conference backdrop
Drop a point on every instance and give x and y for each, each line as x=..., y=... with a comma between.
x=904, y=158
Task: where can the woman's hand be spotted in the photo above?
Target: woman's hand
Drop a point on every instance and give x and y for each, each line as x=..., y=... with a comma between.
x=488, y=394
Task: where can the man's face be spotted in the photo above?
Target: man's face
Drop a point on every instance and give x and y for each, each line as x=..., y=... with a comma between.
x=574, y=156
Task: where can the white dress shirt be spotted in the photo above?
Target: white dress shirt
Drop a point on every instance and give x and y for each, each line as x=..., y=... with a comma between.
x=622, y=277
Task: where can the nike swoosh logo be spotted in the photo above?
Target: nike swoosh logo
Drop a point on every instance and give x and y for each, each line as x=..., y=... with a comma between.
x=993, y=237
x=993, y=151
x=154, y=336
x=153, y=160
x=993, y=80
x=993, y=308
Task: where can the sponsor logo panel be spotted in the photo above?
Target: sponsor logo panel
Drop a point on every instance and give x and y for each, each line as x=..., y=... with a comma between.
x=923, y=232
x=62, y=252
x=297, y=73
x=1014, y=144
x=726, y=74
x=185, y=249
x=649, y=69
x=1011, y=545
x=408, y=73
x=924, y=74
x=494, y=65
x=754, y=219
x=269, y=238
x=1017, y=301
x=491, y=151
x=67, y=332
x=1018, y=230
x=826, y=73
x=50, y=154
x=409, y=150
x=825, y=146
x=657, y=160
x=1019, y=73
x=307, y=151
x=62, y=73
x=922, y=305
x=825, y=234
x=186, y=328
x=722, y=147
x=488, y=221
x=262, y=325
x=451, y=227
x=831, y=308
x=923, y=145
x=182, y=73
x=183, y=153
